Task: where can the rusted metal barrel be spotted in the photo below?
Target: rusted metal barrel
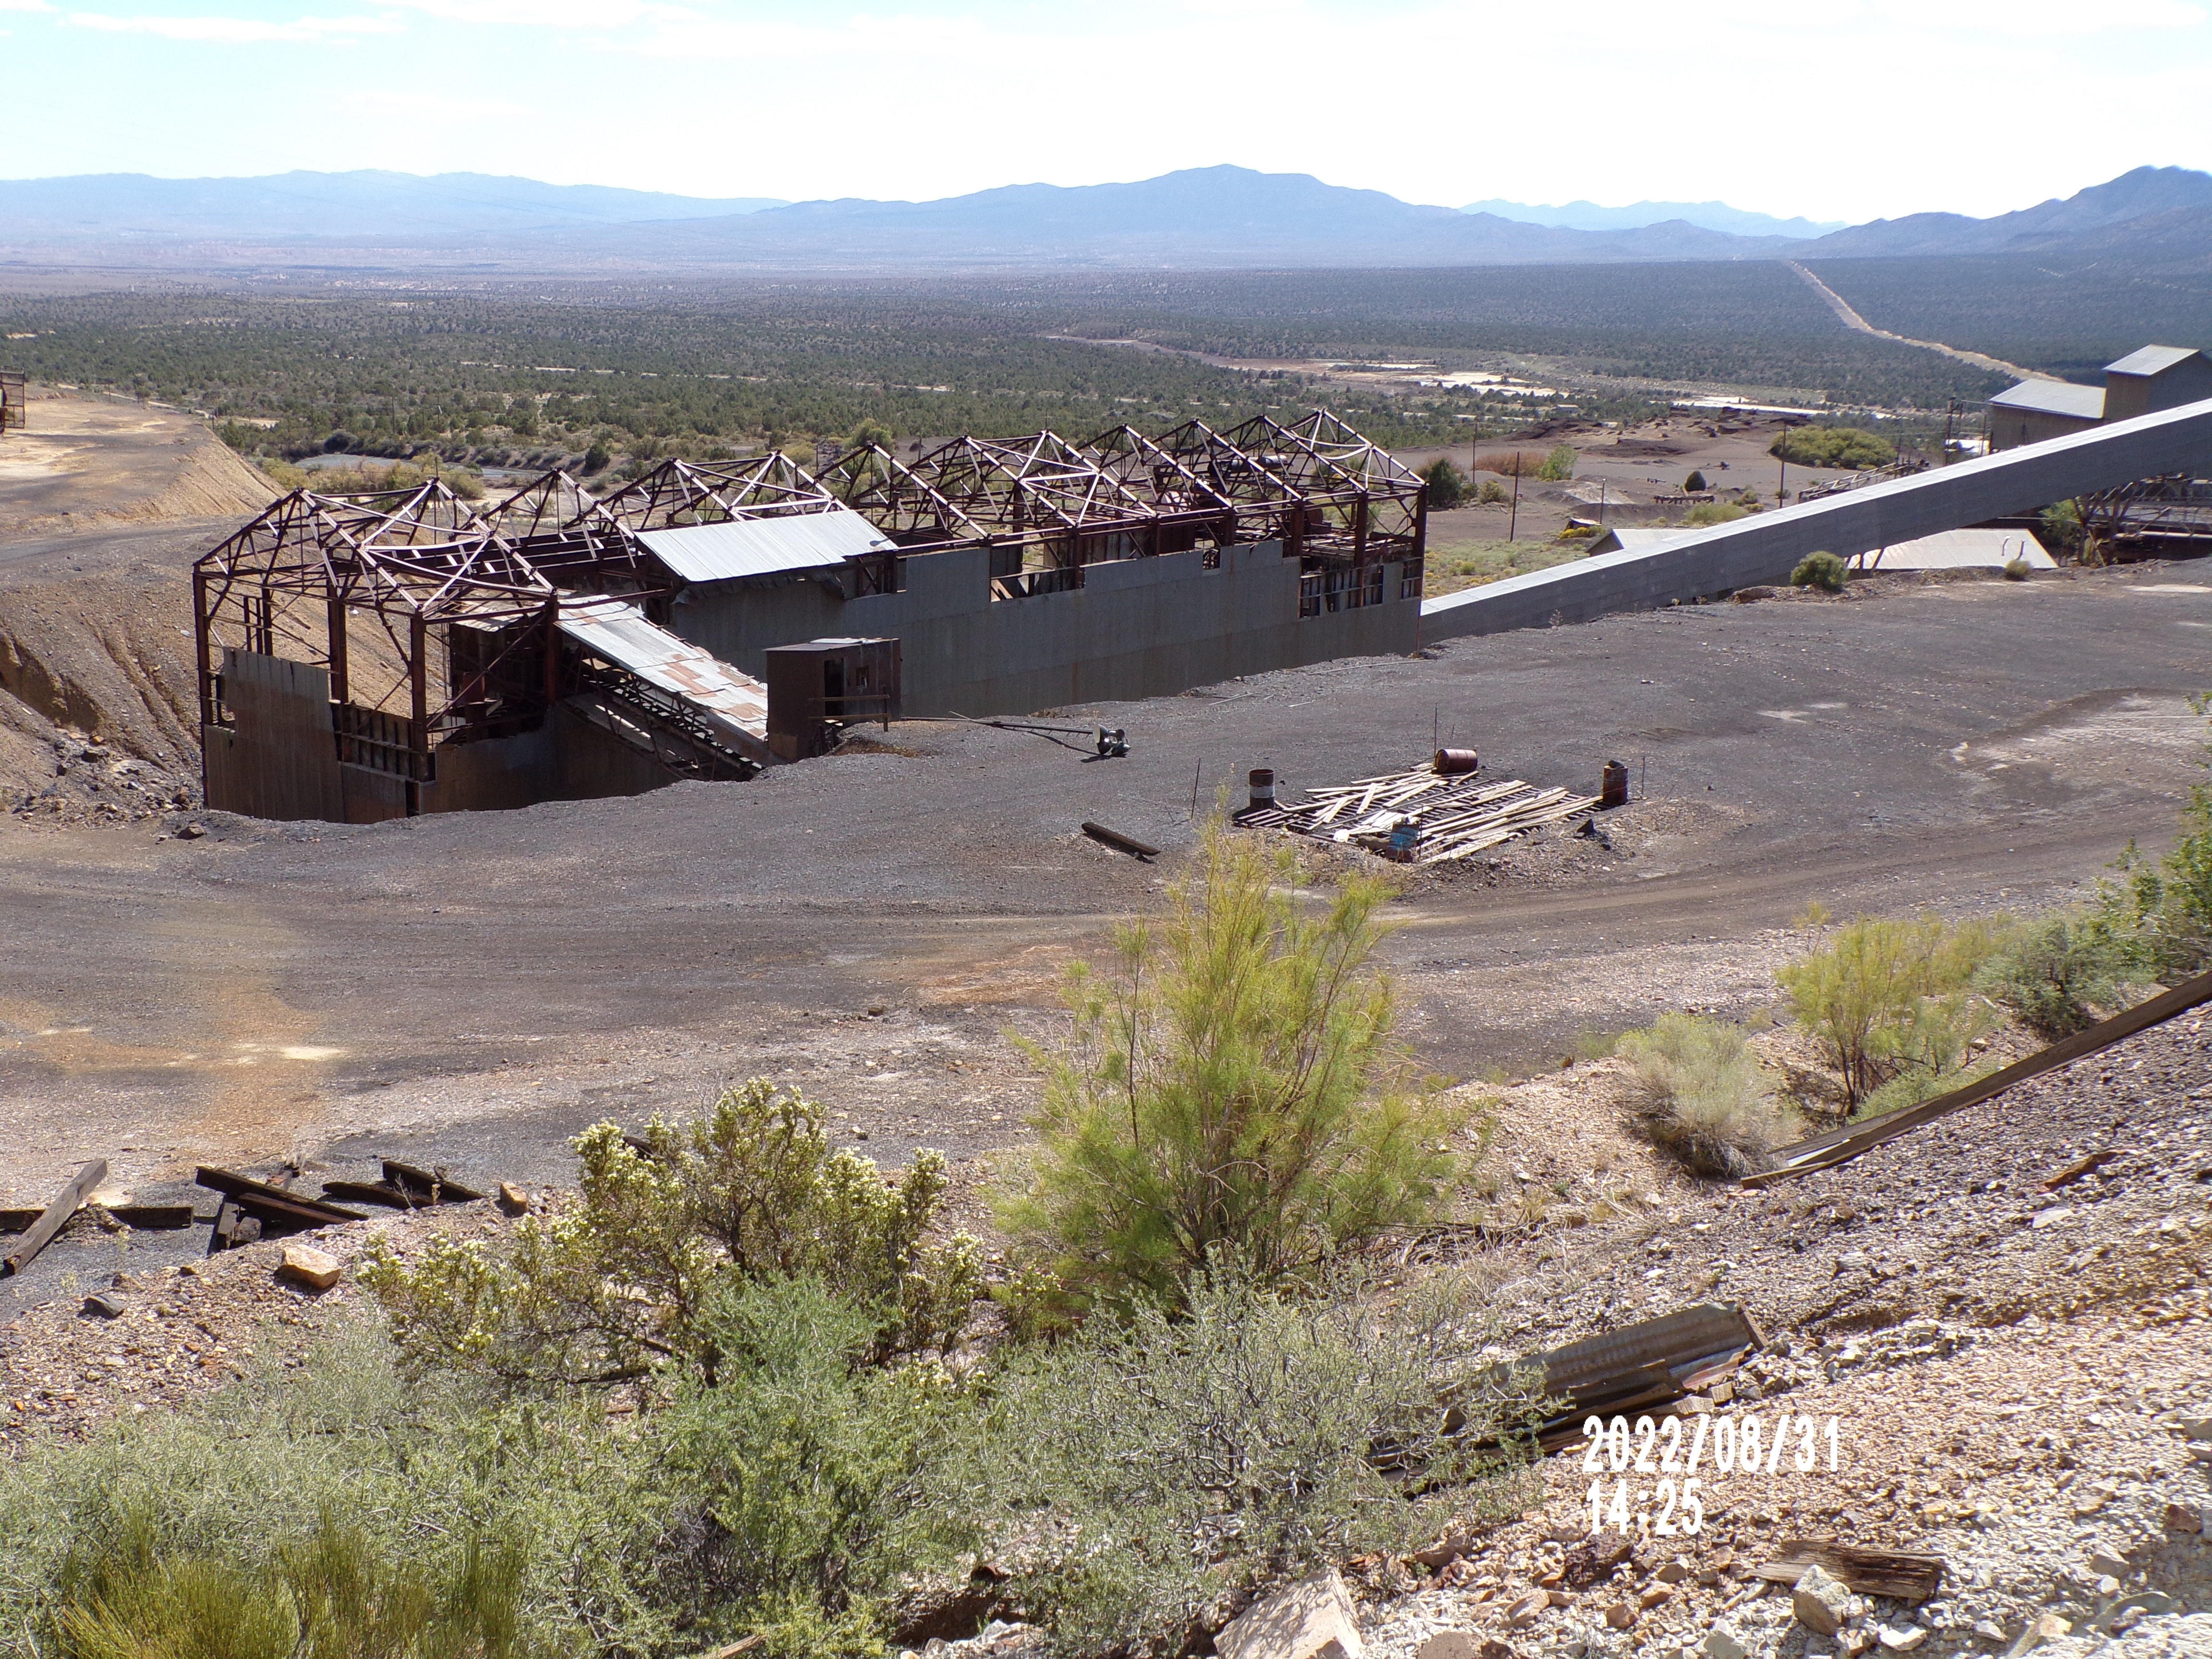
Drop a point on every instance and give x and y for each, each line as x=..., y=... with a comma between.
x=1263, y=789
x=1613, y=785
x=1450, y=762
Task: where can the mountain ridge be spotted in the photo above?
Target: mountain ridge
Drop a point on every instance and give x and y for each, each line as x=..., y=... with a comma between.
x=1222, y=217
x=1635, y=216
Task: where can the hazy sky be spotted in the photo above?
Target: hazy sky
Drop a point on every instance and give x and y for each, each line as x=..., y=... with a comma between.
x=1847, y=109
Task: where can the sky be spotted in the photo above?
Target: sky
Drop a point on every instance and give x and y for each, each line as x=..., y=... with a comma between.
x=1845, y=110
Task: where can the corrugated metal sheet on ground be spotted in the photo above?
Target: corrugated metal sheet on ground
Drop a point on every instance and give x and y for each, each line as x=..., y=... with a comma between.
x=620, y=633
x=761, y=547
x=1959, y=549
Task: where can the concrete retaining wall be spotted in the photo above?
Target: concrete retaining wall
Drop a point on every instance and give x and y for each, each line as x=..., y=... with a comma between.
x=1766, y=547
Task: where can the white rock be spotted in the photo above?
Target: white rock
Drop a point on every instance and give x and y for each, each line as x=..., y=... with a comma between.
x=1898, y=1640
x=1722, y=1643
x=1820, y=1602
x=1312, y=1619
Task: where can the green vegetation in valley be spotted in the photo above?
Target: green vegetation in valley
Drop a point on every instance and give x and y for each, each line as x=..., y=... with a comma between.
x=1849, y=448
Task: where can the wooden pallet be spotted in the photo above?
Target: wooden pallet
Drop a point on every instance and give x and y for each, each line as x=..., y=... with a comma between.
x=1453, y=816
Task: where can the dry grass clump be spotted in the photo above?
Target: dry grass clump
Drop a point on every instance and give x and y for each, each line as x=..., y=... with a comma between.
x=1703, y=1096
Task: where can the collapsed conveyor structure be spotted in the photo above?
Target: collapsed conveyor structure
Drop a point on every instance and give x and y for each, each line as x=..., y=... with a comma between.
x=391, y=652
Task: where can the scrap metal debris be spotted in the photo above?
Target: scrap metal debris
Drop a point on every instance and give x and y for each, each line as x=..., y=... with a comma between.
x=1119, y=842
x=1435, y=814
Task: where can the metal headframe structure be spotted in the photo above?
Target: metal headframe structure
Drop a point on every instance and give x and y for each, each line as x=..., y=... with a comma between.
x=300, y=580
x=568, y=536
x=12, y=411
x=355, y=583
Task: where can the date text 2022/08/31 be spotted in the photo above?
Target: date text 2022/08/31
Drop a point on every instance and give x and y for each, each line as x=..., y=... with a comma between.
x=1658, y=1478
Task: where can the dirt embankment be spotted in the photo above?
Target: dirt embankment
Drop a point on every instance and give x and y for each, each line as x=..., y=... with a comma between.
x=90, y=464
x=103, y=507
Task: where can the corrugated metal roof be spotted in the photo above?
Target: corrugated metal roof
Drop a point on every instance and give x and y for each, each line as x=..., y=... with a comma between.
x=2082, y=402
x=1959, y=549
x=620, y=633
x=2152, y=360
x=761, y=547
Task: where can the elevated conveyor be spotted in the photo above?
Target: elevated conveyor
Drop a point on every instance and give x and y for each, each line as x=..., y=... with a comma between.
x=663, y=694
x=1765, y=548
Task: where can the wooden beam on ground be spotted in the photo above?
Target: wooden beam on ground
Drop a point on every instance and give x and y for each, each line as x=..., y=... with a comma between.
x=1907, y=1578
x=252, y=1196
x=67, y=1203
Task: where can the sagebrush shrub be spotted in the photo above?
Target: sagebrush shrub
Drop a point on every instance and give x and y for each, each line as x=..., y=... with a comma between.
x=1822, y=570
x=1705, y=1095
x=1242, y=1437
x=614, y=1284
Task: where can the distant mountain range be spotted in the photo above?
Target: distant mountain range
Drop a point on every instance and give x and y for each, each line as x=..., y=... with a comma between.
x=2150, y=210
x=1706, y=216
x=1219, y=217
x=103, y=206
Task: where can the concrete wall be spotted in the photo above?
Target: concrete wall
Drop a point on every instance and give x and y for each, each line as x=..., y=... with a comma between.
x=1137, y=627
x=280, y=760
x=738, y=620
x=1766, y=547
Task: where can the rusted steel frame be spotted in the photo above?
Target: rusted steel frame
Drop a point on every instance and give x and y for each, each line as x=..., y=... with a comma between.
x=1841, y=1145
x=892, y=497
x=1129, y=448
x=768, y=486
x=67, y=1203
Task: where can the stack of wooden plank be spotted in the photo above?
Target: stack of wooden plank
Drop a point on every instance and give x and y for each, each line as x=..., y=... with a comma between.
x=1450, y=816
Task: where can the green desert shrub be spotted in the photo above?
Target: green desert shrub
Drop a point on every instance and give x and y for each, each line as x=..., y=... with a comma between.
x=613, y=1285
x=1234, y=1084
x=1448, y=485
x=1704, y=1096
x=1493, y=494
x=1822, y=570
x=1892, y=1003
x=1708, y=513
x=2063, y=529
x=325, y=1498
x=1559, y=465
x=2063, y=972
x=1243, y=1435
x=1850, y=447
x=1693, y=484
x=2016, y=570
x=805, y=1471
